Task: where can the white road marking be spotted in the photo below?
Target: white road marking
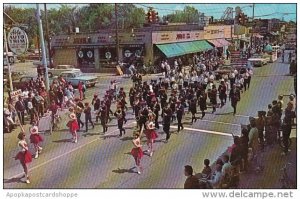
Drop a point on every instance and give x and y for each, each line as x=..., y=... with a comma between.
x=247, y=116
x=232, y=124
x=57, y=157
x=204, y=131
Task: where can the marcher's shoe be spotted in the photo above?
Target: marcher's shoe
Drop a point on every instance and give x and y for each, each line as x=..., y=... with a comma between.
x=148, y=150
x=283, y=153
x=36, y=155
x=151, y=154
x=40, y=150
x=138, y=170
x=27, y=181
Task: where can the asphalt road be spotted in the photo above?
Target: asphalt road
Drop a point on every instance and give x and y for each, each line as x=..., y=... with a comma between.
x=104, y=161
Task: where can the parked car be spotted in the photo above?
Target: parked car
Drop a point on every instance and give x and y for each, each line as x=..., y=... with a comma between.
x=259, y=61
x=22, y=83
x=62, y=68
x=75, y=76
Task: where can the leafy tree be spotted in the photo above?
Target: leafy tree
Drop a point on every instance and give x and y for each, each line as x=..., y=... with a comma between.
x=23, y=16
x=188, y=15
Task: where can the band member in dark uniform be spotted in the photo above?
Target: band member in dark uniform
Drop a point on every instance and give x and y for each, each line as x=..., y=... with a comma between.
x=167, y=114
x=179, y=114
x=132, y=93
x=88, y=116
x=193, y=109
x=96, y=102
x=234, y=96
x=163, y=98
x=143, y=116
x=222, y=93
x=120, y=115
x=212, y=94
x=156, y=109
x=102, y=115
x=202, y=102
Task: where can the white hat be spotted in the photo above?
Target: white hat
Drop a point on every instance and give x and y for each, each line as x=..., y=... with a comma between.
x=72, y=116
x=151, y=125
x=34, y=130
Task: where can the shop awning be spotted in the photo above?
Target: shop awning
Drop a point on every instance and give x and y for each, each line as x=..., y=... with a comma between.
x=224, y=42
x=171, y=50
x=183, y=48
x=219, y=42
x=202, y=45
x=215, y=43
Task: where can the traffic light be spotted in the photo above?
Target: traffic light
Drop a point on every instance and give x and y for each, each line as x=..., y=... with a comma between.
x=240, y=18
x=149, y=16
x=155, y=17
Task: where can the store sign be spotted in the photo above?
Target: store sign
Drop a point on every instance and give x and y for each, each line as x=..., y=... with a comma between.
x=213, y=32
x=80, y=40
x=127, y=53
x=171, y=37
x=138, y=53
x=80, y=54
x=89, y=54
x=17, y=40
x=108, y=55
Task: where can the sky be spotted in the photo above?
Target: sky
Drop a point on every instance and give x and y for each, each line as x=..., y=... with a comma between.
x=280, y=11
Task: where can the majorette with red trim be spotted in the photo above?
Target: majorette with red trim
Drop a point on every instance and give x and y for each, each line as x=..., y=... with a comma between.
x=73, y=127
x=35, y=139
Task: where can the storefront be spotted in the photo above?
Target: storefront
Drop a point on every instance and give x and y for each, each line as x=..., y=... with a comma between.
x=171, y=44
x=218, y=36
x=99, y=50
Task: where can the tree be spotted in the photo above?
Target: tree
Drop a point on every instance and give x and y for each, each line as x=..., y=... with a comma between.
x=188, y=15
x=24, y=16
x=130, y=16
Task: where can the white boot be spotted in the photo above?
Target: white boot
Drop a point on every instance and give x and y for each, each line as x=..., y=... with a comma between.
x=27, y=179
x=36, y=155
x=138, y=170
x=40, y=149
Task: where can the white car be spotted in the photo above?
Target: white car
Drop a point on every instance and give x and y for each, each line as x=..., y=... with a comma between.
x=56, y=71
x=258, y=61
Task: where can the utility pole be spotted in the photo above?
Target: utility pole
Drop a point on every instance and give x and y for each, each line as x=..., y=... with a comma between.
x=42, y=45
x=47, y=35
x=117, y=33
x=251, y=39
x=8, y=64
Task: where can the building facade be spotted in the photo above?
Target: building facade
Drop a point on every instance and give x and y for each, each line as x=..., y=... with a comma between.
x=99, y=50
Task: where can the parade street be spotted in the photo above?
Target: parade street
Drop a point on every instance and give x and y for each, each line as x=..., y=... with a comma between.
x=104, y=161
